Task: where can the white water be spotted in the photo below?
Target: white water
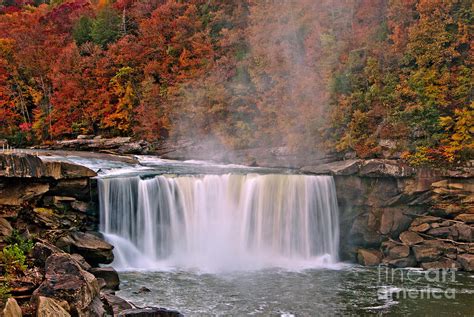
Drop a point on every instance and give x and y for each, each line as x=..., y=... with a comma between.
x=218, y=223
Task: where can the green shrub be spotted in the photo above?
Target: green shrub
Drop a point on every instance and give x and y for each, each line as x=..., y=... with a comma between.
x=4, y=292
x=23, y=243
x=14, y=259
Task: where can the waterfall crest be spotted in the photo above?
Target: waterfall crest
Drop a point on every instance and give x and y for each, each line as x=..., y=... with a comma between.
x=220, y=222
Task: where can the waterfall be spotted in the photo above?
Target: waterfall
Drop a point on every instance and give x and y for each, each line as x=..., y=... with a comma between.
x=220, y=222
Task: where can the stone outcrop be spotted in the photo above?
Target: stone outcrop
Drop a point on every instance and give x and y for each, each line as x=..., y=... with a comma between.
x=416, y=217
x=120, y=145
x=23, y=165
x=94, y=249
x=109, y=275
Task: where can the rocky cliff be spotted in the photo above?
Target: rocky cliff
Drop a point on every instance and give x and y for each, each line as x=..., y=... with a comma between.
x=401, y=216
x=51, y=253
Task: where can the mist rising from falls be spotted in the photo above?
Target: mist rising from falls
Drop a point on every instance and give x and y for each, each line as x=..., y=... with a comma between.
x=220, y=222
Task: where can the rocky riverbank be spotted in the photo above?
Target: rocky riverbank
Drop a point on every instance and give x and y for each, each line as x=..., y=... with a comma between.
x=53, y=259
x=404, y=217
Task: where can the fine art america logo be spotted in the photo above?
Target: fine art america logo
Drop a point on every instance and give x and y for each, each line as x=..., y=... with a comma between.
x=415, y=284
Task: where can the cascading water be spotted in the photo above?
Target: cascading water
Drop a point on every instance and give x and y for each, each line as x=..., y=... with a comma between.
x=220, y=222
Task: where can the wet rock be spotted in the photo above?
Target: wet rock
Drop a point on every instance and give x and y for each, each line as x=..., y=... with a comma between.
x=114, y=304
x=149, y=312
x=47, y=307
x=385, y=168
x=95, y=250
x=467, y=218
x=467, y=261
x=144, y=289
x=443, y=264
x=66, y=280
x=410, y=238
x=12, y=309
x=399, y=251
x=109, y=275
x=369, y=257
x=426, y=253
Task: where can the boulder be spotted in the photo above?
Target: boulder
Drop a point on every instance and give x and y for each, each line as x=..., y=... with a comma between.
x=402, y=262
x=66, y=280
x=441, y=232
x=12, y=309
x=385, y=168
x=467, y=218
x=344, y=168
x=421, y=228
x=393, y=222
x=110, y=276
x=442, y=264
x=81, y=261
x=6, y=229
x=42, y=251
x=465, y=232
x=424, y=219
x=410, y=238
x=426, y=253
x=95, y=250
x=114, y=304
x=149, y=312
x=466, y=261
x=399, y=251
x=369, y=257
x=47, y=307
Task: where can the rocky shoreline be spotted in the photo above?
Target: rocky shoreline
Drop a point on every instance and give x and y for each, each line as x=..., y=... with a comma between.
x=53, y=258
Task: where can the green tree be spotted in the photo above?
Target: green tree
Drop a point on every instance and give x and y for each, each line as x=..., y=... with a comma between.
x=106, y=27
x=82, y=30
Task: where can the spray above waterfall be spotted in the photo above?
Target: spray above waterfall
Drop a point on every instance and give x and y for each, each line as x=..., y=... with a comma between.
x=220, y=222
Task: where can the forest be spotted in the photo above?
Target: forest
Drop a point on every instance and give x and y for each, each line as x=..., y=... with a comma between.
x=346, y=76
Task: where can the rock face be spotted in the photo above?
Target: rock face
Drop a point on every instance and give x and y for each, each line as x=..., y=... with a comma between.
x=66, y=280
x=95, y=250
x=24, y=165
